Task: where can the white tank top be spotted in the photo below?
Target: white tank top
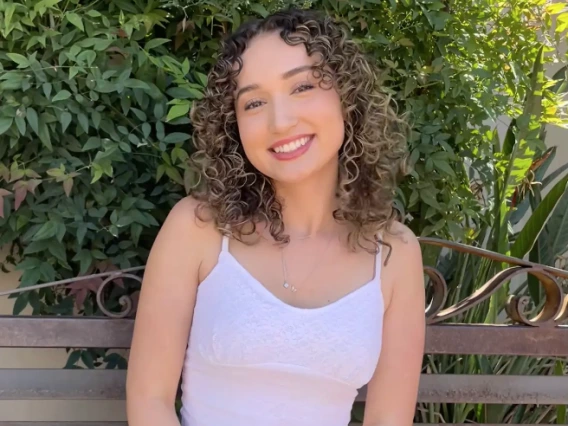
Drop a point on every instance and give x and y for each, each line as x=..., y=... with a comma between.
x=253, y=359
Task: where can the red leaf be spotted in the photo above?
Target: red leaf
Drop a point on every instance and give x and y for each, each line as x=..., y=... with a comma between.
x=3, y=192
x=20, y=193
x=106, y=266
x=94, y=284
x=68, y=186
x=80, y=289
x=75, y=286
x=514, y=198
x=80, y=296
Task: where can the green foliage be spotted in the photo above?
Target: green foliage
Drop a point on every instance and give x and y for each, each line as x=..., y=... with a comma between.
x=90, y=157
x=95, y=134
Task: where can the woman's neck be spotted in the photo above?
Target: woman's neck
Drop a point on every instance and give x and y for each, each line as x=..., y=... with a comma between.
x=308, y=205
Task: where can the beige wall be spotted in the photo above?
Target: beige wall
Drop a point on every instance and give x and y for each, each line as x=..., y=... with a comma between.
x=557, y=136
x=46, y=358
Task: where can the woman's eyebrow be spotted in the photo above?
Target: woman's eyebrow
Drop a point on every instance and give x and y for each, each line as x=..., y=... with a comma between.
x=245, y=89
x=296, y=70
x=286, y=75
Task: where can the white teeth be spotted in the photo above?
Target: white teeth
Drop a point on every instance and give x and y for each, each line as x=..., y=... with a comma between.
x=292, y=146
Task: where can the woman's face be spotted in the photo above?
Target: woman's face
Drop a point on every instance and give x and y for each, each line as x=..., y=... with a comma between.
x=290, y=127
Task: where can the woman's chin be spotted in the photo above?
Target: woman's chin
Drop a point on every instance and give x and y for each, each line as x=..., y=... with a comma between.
x=303, y=170
x=295, y=177
x=292, y=180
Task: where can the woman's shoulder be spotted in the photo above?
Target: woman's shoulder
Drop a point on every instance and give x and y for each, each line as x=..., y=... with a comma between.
x=402, y=239
x=190, y=219
x=192, y=211
x=402, y=260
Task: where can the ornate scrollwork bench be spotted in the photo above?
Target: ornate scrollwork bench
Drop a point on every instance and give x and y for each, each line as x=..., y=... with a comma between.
x=545, y=335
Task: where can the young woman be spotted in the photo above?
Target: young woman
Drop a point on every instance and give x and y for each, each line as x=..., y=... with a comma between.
x=286, y=284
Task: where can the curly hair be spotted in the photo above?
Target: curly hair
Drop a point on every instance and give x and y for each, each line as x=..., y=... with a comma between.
x=371, y=158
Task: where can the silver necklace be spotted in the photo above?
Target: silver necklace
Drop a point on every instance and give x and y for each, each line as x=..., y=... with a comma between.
x=286, y=284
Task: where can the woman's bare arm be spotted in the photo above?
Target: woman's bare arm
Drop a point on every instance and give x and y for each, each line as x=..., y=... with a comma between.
x=392, y=392
x=163, y=319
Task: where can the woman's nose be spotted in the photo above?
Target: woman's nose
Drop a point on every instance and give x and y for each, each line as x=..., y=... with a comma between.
x=283, y=116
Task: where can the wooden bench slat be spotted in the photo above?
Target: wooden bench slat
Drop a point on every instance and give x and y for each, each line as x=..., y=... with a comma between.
x=31, y=423
x=490, y=389
x=89, y=423
x=32, y=384
x=65, y=332
x=480, y=339
x=79, y=423
x=506, y=389
x=42, y=384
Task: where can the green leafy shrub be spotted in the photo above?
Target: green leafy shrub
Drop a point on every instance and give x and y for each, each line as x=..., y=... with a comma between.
x=93, y=125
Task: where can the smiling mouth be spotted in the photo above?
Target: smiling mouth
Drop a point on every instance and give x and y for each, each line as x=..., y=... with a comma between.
x=292, y=150
x=292, y=146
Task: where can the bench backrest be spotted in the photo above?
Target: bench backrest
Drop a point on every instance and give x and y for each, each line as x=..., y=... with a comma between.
x=543, y=337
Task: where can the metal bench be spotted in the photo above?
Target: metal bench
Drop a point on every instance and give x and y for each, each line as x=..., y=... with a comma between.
x=544, y=336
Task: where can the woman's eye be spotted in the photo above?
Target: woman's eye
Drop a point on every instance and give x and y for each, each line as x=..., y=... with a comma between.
x=303, y=87
x=252, y=104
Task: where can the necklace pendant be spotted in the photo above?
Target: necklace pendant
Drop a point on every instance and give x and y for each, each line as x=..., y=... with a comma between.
x=288, y=286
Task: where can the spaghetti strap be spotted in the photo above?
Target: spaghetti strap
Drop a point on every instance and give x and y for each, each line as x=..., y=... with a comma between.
x=225, y=244
x=379, y=259
x=378, y=264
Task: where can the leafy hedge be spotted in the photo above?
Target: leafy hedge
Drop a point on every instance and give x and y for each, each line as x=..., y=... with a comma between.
x=94, y=130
